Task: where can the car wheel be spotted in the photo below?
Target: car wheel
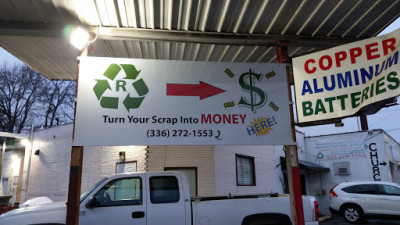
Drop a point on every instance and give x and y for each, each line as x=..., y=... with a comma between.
x=352, y=213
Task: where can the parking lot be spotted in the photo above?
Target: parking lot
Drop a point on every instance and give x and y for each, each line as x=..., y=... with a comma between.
x=336, y=220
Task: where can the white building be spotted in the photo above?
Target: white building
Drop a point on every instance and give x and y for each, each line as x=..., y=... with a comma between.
x=365, y=155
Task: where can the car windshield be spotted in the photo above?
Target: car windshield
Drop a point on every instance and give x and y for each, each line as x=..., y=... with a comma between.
x=84, y=195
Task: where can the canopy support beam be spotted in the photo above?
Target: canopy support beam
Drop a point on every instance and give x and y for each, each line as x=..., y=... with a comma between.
x=141, y=34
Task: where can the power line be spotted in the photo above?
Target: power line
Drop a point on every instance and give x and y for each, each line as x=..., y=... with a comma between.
x=385, y=117
x=392, y=129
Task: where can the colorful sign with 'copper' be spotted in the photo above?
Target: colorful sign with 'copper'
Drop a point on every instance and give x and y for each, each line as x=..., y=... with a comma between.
x=338, y=82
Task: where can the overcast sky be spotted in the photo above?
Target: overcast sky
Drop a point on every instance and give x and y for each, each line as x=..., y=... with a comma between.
x=387, y=119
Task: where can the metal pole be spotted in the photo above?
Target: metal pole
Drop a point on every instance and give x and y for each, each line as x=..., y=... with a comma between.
x=292, y=162
x=74, y=190
x=364, y=122
x=29, y=162
x=75, y=174
x=3, y=150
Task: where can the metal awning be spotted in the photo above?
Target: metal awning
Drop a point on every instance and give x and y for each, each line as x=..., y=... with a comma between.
x=310, y=167
x=12, y=135
x=195, y=30
x=16, y=137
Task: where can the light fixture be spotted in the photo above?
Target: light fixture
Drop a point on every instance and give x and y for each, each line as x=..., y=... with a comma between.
x=25, y=142
x=14, y=158
x=79, y=38
x=122, y=156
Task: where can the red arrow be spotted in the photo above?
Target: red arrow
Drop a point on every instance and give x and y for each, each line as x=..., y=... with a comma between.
x=203, y=90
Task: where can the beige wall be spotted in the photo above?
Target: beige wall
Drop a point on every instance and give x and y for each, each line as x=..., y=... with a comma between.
x=201, y=157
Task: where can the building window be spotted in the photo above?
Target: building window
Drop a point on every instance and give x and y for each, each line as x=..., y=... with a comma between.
x=245, y=171
x=126, y=167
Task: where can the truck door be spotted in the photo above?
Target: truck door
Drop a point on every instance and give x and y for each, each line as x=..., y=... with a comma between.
x=165, y=205
x=119, y=202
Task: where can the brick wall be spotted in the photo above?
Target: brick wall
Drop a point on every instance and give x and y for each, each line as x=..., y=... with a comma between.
x=100, y=161
x=216, y=170
x=49, y=173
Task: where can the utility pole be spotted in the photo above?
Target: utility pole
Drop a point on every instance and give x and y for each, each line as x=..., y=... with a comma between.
x=75, y=173
x=292, y=162
x=364, y=122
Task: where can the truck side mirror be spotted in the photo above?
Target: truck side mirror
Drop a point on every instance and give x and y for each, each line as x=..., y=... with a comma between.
x=92, y=203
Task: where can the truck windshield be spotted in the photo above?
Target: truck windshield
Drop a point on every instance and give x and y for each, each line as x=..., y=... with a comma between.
x=84, y=195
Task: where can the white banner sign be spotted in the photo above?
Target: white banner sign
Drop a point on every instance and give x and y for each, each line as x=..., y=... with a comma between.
x=160, y=102
x=339, y=81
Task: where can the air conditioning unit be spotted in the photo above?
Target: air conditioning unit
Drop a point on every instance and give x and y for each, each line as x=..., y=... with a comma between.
x=342, y=168
x=343, y=171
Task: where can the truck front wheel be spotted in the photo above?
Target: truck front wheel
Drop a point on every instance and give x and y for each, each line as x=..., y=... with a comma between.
x=267, y=219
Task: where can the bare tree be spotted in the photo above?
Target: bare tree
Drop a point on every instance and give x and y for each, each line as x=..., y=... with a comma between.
x=26, y=97
x=59, y=100
x=18, y=95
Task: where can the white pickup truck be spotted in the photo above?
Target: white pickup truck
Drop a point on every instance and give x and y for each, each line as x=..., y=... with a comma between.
x=162, y=198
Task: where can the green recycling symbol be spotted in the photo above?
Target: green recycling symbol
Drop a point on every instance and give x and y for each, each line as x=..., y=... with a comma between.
x=102, y=85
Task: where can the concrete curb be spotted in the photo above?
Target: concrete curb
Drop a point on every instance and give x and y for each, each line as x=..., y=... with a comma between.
x=323, y=218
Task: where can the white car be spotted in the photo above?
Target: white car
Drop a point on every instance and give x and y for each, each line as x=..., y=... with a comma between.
x=354, y=200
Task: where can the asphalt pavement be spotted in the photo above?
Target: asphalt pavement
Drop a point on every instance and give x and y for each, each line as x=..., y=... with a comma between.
x=338, y=220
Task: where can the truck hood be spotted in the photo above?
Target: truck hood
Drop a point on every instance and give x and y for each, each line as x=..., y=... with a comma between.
x=56, y=206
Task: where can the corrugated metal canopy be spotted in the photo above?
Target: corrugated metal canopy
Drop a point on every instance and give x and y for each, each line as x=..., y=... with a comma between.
x=201, y=30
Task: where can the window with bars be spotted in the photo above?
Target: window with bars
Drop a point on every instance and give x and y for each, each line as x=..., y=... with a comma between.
x=245, y=171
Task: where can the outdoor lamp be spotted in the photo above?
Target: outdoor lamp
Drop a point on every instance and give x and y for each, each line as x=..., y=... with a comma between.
x=25, y=142
x=79, y=38
x=122, y=156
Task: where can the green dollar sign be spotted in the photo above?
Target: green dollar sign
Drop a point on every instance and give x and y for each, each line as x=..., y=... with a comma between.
x=249, y=86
